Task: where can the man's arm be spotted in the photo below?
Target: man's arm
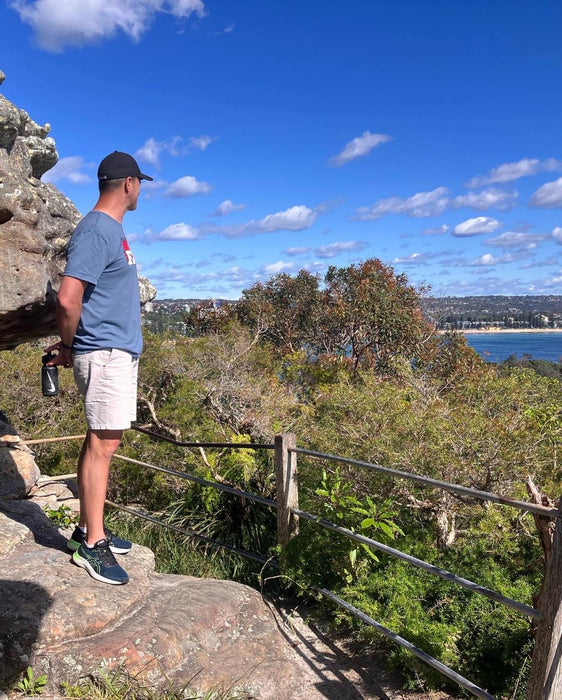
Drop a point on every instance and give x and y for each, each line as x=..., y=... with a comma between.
x=69, y=308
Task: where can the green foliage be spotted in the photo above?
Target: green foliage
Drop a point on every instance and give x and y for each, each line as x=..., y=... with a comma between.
x=341, y=507
x=543, y=368
x=365, y=314
x=351, y=367
x=61, y=516
x=30, y=684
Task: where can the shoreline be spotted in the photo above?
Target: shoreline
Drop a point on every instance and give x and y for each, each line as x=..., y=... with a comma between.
x=484, y=331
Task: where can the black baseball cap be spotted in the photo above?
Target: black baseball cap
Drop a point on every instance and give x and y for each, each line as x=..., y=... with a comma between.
x=118, y=165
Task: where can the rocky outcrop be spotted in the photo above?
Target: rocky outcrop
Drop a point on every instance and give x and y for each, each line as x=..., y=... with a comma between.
x=36, y=221
x=147, y=290
x=18, y=470
x=201, y=632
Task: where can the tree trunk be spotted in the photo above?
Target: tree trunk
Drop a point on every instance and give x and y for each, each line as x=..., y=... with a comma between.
x=545, y=682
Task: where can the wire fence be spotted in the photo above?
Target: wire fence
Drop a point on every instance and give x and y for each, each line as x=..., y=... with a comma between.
x=546, y=671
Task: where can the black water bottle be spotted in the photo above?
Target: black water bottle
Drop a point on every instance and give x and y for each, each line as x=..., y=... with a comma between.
x=49, y=377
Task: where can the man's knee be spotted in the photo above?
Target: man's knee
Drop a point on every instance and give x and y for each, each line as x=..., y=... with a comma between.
x=104, y=443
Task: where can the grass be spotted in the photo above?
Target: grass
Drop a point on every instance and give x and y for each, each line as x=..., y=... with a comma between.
x=120, y=684
x=175, y=553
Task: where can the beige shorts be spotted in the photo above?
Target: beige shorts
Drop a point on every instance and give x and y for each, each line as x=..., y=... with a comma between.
x=107, y=380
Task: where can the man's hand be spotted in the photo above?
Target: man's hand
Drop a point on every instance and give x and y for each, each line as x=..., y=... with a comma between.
x=63, y=357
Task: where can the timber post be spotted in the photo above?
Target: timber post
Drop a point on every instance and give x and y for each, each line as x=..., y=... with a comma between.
x=545, y=681
x=287, y=488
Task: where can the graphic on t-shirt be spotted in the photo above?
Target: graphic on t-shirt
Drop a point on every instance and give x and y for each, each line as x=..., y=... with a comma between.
x=128, y=252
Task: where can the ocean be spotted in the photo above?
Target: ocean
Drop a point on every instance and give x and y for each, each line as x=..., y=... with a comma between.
x=496, y=347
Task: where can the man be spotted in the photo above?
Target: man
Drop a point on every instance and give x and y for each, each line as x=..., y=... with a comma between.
x=98, y=317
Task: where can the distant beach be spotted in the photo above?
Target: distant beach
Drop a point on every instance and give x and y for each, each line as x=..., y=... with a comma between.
x=505, y=330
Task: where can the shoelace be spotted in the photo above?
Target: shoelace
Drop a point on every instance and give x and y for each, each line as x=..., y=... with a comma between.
x=104, y=553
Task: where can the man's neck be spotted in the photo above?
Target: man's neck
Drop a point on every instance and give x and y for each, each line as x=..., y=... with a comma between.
x=113, y=209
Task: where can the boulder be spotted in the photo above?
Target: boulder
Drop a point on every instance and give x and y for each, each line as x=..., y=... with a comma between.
x=36, y=221
x=18, y=470
x=164, y=628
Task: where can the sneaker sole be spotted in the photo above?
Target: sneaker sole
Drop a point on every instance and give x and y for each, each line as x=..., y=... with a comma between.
x=79, y=561
x=73, y=546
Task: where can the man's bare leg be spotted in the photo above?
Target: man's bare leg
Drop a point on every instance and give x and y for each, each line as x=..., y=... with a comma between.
x=93, y=471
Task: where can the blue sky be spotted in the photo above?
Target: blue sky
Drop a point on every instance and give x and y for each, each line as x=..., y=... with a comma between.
x=289, y=135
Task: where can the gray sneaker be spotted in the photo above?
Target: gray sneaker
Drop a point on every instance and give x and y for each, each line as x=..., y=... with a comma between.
x=100, y=563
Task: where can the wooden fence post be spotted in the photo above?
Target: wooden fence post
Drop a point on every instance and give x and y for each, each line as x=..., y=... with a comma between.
x=545, y=682
x=287, y=488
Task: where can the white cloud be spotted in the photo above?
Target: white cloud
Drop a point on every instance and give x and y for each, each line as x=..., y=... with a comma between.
x=548, y=196
x=413, y=259
x=200, y=143
x=226, y=30
x=419, y=205
x=71, y=169
x=295, y=218
x=178, y=232
x=359, y=146
x=277, y=267
x=334, y=249
x=492, y=197
x=227, y=207
x=557, y=234
x=209, y=282
x=61, y=23
x=473, y=227
x=187, y=186
x=508, y=172
x=554, y=281
x=152, y=149
x=438, y=230
x=516, y=240
x=296, y=251
x=486, y=259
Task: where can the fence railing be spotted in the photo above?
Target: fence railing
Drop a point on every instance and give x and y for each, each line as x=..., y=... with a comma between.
x=546, y=667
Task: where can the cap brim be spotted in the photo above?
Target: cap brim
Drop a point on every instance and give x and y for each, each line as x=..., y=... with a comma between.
x=146, y=177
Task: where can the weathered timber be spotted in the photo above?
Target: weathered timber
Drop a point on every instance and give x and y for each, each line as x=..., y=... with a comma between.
x=287, y=488
x=545, y=682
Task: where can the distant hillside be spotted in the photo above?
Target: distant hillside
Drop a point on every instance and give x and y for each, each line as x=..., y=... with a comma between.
x=446, y=312
x=503, y=311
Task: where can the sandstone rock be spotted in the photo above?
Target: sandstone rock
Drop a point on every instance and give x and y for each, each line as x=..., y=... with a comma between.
x=54, y=493
x=12, y=534
x=9, y=123
x=18, y=471
x=36, y=221
x=147, y=290
x=204, y=632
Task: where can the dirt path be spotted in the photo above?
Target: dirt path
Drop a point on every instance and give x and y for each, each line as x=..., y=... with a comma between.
x=334, y=668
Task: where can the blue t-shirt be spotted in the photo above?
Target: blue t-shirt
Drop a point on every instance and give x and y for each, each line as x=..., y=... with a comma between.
x=98, y=253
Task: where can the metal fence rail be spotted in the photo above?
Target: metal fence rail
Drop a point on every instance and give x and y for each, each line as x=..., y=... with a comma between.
x=546, y=669
x=195, y=535
x=203, y=482
x=430, y=568
x=428, y=481
x=429, y=660
x=180, y=443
